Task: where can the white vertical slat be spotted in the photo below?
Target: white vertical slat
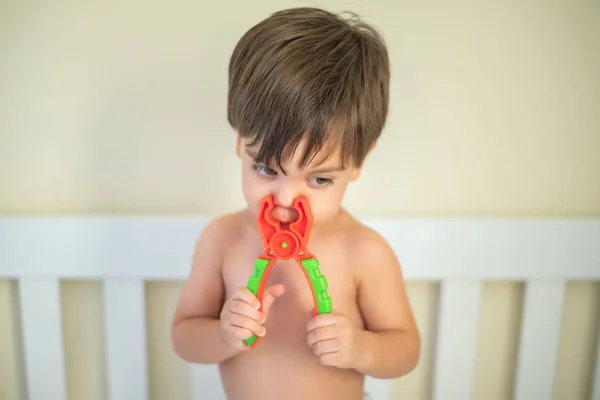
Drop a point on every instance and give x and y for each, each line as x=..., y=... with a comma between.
x=126, y=355
x=43, y=339
x=540, y=333
x=205, y=382
x=378, y=389
x=596, y=382
x=456, y=347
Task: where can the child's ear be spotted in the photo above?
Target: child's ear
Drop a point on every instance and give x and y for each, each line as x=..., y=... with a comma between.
x=355, y=174
x=238, y=145
x=371, y=148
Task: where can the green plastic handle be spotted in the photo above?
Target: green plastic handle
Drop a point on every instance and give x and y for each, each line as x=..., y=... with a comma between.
x=318, y=284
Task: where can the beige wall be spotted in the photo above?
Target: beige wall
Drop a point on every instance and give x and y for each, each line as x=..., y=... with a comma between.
x=495, y=111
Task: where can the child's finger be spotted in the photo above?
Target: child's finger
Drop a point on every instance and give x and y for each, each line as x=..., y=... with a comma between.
x=321, y=320
x=245, y=295
x=242, y=308
x=320, y=334
x=326, y=347
x=242, y=334
x=241, y=321
x=269, y=296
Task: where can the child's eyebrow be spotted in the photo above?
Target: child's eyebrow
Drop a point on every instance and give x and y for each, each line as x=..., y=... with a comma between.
x=326, y=170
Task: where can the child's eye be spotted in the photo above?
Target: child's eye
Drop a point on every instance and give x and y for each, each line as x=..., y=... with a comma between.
x=319, y=181
x=261, y=169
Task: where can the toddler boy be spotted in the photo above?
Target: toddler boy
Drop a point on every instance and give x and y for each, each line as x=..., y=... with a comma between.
x=308, y=99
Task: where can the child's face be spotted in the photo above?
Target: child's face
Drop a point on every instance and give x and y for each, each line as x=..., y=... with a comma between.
x=323, y=184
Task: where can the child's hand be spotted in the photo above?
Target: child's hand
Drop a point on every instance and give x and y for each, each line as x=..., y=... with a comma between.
x=241, y=317
x=335, y=340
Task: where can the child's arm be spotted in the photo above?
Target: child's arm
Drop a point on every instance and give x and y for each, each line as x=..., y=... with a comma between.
x=391, y=340
x=196, y=332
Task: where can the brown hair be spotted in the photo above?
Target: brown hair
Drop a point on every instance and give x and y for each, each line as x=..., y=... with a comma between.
x=307, y=73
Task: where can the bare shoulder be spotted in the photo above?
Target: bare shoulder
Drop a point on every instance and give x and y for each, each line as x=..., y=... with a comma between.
x=381, y=295
x=368, y=247
x=220, y=232
x=202, y=294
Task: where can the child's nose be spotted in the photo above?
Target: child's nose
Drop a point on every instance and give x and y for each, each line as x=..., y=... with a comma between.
x=285, y=198
x=284, y=201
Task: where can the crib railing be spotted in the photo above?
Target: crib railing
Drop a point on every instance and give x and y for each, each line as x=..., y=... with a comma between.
x=461, y=254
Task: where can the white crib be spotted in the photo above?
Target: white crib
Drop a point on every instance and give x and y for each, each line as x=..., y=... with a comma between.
x=461, y=254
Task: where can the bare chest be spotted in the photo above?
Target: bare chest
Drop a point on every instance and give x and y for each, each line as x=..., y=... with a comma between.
x=294, y=372
x=331, y=269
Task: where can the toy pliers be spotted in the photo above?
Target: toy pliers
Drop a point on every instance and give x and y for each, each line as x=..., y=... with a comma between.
x=285, y=243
